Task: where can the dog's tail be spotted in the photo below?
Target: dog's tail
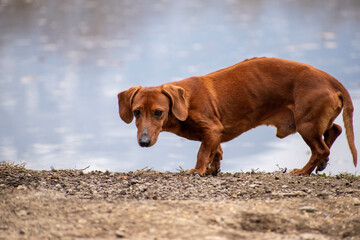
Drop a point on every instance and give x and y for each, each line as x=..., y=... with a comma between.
x=348, y=122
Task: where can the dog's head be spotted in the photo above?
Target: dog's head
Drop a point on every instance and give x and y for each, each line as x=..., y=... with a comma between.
x=152, y=107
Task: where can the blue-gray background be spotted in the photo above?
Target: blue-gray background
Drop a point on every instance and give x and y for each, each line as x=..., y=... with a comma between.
x=62, y=64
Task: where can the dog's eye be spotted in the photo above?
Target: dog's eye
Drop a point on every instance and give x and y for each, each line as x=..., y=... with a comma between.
x=137, y=113
x=158, y=113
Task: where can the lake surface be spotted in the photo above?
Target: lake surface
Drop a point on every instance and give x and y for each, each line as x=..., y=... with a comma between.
x=62, y=64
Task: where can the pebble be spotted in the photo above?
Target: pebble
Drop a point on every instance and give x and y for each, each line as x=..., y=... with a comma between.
x=22, y=213
x=70, y=192
x=312, y=236
x=21, y=187
x=324, y=193
x=356, y=202
x=309, y=209
x=289, y=194
x=120, y=233
x=82, y=221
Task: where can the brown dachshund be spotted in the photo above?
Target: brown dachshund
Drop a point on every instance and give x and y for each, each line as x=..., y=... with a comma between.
x=219, y=106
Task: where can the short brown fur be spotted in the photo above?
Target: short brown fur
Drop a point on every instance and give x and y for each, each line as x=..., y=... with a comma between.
x=217, y=107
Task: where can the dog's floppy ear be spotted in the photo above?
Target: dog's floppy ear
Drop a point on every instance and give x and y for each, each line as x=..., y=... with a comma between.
x=179, y=102
x=125, y=99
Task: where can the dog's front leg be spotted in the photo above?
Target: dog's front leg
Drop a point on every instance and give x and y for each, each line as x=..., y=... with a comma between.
x=214, y=166
x=209, y=149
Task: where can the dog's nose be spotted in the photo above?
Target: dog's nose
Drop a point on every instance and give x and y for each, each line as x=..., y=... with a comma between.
x=144, y=140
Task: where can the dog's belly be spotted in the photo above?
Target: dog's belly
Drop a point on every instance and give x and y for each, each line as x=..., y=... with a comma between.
x=281, y=118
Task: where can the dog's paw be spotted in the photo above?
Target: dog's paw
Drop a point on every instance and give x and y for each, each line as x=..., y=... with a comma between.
x=196, y=171
x=322, y=165
x=298, y=172
x=212, y=171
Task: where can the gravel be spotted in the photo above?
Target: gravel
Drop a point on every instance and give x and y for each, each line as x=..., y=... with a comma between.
x=146, y=204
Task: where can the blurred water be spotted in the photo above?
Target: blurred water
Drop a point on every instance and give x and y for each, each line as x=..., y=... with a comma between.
x=62, y=64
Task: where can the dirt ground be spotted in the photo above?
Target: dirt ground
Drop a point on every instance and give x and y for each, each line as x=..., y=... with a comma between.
x=71, y=204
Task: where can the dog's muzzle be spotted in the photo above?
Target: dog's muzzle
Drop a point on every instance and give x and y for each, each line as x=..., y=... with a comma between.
x=144, y=140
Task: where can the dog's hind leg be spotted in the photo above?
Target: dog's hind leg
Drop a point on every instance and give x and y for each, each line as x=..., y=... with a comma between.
x=319, y=149
x=333, y=130
x=331, y=134
x=329, y=137
x=314, y=114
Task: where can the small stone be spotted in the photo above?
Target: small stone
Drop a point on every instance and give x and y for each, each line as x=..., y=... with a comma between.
x=120, y=233
x=345, y=234
x=349, y=191
x=289, y=194
x=21, y=187
x=22, y=213
x=82, y=221
x=323, y=193
x=142, y=188
x=133, y=182
x=70, y=192
x=2, y=227
x=356, y=202
x=312, y=236
x=310, y=209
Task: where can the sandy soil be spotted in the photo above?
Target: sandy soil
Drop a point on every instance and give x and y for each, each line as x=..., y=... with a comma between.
x=71, y=204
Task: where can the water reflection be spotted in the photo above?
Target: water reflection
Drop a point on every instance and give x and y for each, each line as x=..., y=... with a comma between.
x=63, y=62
